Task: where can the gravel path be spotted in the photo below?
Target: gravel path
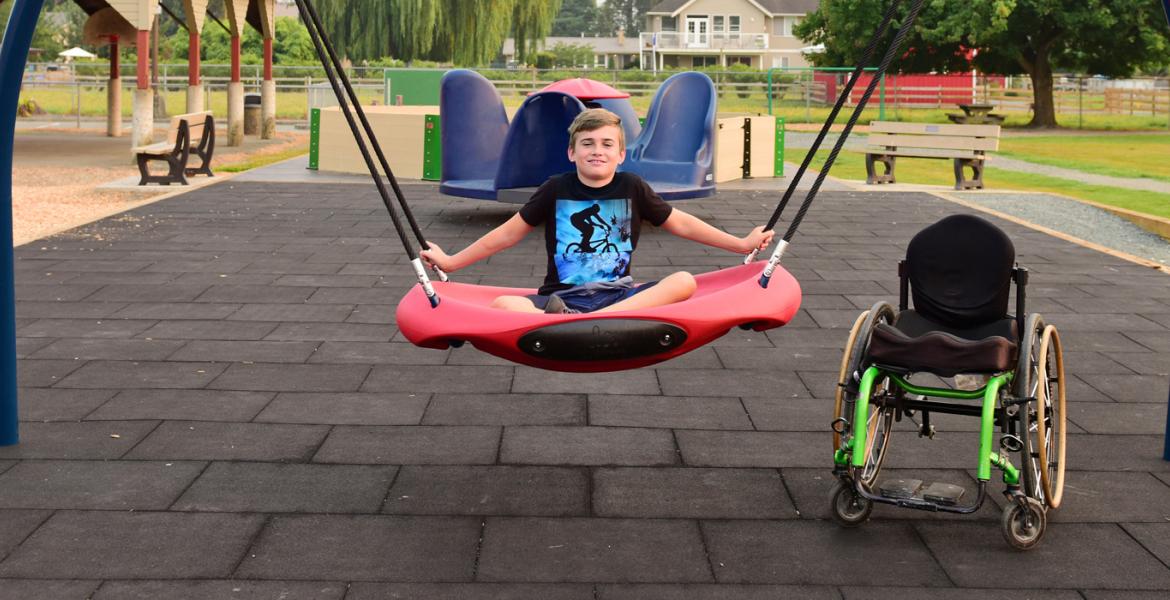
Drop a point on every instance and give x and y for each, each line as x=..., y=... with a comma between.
x=1076, y=219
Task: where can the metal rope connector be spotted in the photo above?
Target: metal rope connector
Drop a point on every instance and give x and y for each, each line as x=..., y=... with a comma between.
x=781, y=246
x=421, y=273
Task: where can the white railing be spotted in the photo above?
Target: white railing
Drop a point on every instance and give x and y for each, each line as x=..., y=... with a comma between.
x=679, y=40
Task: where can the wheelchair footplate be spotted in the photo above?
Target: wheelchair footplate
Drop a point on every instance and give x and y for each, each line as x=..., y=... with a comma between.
x=922, y=495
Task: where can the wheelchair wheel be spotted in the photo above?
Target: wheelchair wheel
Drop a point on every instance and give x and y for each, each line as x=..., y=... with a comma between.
x=1023, y=526
x=1043, y=423
x=850, y=509
x=881, y=420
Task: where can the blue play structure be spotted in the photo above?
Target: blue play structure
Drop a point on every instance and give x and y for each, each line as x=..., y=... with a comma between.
x=483, y=154
x=13, y=55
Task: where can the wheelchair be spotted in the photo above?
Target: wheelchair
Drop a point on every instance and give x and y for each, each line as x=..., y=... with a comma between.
x=958, y=272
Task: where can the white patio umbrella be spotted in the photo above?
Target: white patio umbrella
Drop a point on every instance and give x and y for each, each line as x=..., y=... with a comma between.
x=76, y=52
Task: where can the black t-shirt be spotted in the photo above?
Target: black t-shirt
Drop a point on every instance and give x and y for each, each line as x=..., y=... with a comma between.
x=590, y=233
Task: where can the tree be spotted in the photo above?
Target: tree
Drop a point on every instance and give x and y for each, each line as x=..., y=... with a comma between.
x=1114, y=37
x=531, y=23
x=577, y=17
x=627, y=15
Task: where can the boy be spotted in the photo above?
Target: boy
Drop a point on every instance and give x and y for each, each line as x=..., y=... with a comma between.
x=592, y=219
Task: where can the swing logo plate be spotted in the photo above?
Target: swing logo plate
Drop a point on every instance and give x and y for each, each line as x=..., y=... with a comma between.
x=602, y=339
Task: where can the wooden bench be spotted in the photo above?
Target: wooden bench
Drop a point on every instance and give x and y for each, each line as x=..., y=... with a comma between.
x=178, y=149
x=966, y=145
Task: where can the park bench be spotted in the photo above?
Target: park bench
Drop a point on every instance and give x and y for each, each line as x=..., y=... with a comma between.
x=178, y=148
x=966, y=145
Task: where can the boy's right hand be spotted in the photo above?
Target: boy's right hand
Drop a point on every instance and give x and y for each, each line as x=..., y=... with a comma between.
x=435, y=257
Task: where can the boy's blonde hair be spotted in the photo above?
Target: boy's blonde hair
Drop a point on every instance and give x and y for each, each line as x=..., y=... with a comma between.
x=593, y=119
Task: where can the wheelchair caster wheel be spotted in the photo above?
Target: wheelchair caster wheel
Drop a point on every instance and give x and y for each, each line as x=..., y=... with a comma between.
x=850, y=509
x=1023, y=527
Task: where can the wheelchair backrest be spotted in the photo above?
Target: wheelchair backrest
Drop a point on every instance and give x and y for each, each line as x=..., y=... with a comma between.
x=960, y=271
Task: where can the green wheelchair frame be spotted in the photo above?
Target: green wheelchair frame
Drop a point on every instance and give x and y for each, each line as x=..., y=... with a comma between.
x=1027, y=405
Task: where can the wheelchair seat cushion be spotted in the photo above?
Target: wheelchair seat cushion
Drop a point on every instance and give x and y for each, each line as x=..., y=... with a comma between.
x=915, y=343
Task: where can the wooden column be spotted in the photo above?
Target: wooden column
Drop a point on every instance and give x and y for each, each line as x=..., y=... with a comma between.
x=268, y=96
x=143, y=129
x=194, y=80
x=114, y=92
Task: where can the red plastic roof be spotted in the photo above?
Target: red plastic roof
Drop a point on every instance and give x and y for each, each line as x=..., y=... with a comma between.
x=584, y=89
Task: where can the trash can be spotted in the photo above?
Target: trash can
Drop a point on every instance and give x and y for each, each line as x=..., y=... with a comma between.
x=252, y=114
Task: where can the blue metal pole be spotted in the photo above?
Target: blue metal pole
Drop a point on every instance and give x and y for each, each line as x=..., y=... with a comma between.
x=1166, y=443
x=13, y=56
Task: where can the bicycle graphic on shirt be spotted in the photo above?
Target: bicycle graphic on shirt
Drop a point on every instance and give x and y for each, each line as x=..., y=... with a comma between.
x=598, y=245
x=589, y=220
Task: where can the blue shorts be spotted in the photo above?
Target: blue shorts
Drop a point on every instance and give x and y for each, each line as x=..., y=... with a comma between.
x=586, y=301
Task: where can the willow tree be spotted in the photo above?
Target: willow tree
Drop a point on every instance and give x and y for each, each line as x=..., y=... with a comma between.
x=412, y=27
x=532, y=21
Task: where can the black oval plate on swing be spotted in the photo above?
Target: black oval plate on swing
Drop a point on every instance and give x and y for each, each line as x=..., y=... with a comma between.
x=602, y=339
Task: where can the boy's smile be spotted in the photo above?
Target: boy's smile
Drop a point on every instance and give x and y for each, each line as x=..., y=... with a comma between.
x=597, y=155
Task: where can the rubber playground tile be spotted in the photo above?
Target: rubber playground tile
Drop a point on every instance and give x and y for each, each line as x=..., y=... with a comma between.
x=7, y=464
x=942, y=593
x=16, y=525
x=256, y=294
x=1112, y=497
x=778, y=413
x=1121, y=595
x=808, y=338
x=345, y=408
x=201, y=440
x=275, y=488
x=102, y=440
x=43, y=373
x=753, y=449
x=209, y=330
x=585, y=550
x=410, y=445
x=51, y=404
x=287, y=266
x=54, y=292
x=326, y=313
x=1131, y=418
x=1102, y=322
x=668, y=412
x=1154, y=340
x=730, y=382
x=176, y=311
x=126, y=292
x=506, y=409
x=1145, y=363
x=811, y=490
x=375, y=353
x=364, y=548
x=332, y=332
x=245, y=351
x=277, y=377
x=421, y=379
x=590, y=446
x=235, y=588
x=182, y=405
x=372, y=313
x=1116, y=453
x=1154, y=537
x=784, y=357
x=69, y=310
x=1131, y=388
x=708, y=591
x=470, y=591
x=96, y=485
x=1108, y=342
x=26, y=346
x=110, y=374
x=810, y=553
x=1092, y=364
x=362, y=295
x=133, y=545
x=690, y=493
x=107, y=349
x=42, y=589
x=1069, y=556
x=530, y=380
x=489, y=490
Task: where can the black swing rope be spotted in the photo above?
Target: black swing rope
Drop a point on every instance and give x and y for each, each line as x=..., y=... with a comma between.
x=895, y=45
x=334, y=72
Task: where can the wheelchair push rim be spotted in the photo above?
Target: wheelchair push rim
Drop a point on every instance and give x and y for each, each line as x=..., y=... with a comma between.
x=1043, y=421
x=879, y=421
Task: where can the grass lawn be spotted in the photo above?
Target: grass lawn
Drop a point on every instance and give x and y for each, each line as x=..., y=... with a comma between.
x=1138, y=156
x=851, y=165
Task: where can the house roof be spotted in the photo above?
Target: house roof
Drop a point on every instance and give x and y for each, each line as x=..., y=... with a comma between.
x=600, y=45
x=771, y=7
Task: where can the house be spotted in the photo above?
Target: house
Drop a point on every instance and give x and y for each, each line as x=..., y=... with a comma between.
x=704, y=33
x=608, y=52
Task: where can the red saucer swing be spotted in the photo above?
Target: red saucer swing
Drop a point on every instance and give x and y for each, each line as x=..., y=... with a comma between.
x=443, y=314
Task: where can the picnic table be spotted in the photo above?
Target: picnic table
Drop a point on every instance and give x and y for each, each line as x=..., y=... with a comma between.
x=976, y=114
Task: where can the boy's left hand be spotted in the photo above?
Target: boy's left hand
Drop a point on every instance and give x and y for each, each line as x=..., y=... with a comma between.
x=758, y=239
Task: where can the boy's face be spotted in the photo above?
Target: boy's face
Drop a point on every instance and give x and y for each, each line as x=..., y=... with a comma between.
x=597, y=154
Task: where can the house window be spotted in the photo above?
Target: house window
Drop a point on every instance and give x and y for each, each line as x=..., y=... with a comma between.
x=704, y=61
x=717, y=23
x=669, y=23
x=782, y=26
x=733, y=23
x=739, y=60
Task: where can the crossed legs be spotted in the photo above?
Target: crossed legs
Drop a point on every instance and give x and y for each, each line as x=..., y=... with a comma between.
x=675, y=287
